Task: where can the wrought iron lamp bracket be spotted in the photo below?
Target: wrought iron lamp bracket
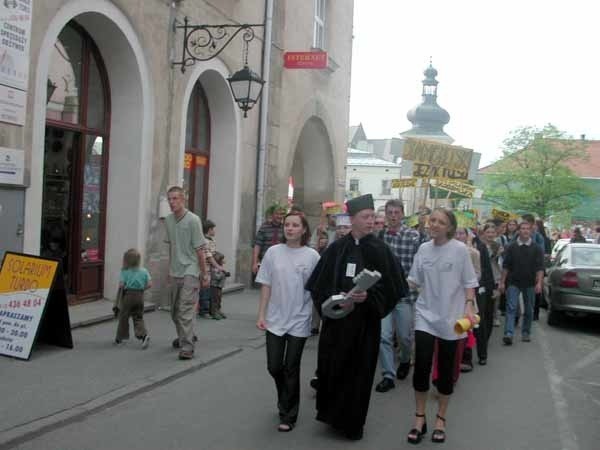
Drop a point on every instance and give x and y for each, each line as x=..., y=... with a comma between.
x=205, y=42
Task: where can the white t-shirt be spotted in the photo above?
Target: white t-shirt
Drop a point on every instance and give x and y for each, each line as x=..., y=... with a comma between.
x=442, y=272
x=287, y=270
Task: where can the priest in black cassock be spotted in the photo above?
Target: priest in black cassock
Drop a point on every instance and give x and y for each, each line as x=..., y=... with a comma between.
x=348, y=347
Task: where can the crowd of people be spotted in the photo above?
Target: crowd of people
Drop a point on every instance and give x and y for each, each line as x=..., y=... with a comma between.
x=433, y=274
x=431, y=278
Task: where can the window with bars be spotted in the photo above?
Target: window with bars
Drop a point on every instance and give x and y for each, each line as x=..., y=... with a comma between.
x=319, y=24
x=386, y=187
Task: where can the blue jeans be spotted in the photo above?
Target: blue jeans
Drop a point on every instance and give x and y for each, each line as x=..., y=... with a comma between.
x=204, y=301
x=402, y=317
x=512, y=306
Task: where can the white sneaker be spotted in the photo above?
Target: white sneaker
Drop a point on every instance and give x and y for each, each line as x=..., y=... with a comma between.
x=146, y=342
x=496, y=322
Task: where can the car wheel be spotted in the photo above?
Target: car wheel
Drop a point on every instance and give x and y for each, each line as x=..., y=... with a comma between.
x=554, y=317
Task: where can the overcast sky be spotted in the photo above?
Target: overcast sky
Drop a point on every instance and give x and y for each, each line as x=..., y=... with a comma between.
x=502, y=64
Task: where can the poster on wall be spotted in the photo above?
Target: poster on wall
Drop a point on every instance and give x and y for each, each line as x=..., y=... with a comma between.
x=33, y=305
x=12, y=166
x=15, y=34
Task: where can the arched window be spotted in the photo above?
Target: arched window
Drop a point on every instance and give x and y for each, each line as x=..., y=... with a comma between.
x=197, y=152
x=76, y=161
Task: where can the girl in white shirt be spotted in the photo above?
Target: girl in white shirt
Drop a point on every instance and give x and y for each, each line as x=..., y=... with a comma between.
x=443, y=273
x=284, y=311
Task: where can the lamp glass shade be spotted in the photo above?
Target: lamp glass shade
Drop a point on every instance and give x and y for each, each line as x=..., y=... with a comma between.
x=246, y=88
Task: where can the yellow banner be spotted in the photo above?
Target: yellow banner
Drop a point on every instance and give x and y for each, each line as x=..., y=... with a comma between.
x=454, y=186
x=503, y=215
x=26, y=273
x=400, y=183
x=412, y=221
x=465, y=219
x=437, y=160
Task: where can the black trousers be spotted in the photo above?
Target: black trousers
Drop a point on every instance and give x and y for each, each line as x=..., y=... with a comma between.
x=424, y=347
x=284, y=354
x=485, y=304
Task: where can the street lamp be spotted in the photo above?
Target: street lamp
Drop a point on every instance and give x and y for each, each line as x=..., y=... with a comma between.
x=246, y=87
x=205, y=42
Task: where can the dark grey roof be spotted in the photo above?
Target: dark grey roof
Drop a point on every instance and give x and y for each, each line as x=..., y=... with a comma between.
x=428, y=118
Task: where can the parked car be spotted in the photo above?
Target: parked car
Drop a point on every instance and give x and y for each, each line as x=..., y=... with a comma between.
x=559, y=245
x=572, y=284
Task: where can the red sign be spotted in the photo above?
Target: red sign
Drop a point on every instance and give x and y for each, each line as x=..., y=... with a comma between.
x=305, y=60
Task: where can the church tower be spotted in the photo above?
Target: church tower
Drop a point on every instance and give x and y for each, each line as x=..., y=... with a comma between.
x=428, y=118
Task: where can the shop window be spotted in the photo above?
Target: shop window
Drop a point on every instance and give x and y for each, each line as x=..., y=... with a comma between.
x=76, y=162
x=197, y=152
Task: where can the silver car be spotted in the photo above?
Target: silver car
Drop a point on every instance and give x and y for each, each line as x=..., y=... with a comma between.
x=572, y=283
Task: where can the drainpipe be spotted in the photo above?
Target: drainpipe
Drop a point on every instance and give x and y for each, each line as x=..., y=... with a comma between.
x=264, y=115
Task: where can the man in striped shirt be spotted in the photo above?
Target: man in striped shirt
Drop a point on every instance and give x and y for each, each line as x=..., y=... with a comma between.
x=404, y=243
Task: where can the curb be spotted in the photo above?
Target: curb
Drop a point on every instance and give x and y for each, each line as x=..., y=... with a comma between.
x=148, y=307
x=31, y=430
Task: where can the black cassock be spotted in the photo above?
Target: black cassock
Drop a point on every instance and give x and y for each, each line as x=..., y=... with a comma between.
x=349, y=347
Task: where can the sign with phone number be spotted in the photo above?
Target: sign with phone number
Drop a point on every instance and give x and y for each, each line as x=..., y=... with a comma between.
x=25, y=283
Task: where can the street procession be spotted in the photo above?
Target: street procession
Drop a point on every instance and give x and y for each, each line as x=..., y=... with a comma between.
x=252, y=225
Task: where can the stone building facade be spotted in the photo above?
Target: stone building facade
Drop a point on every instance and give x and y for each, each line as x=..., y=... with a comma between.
x=111, y=124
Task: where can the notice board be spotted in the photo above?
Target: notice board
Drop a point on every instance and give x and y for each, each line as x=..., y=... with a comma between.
x=33, y=305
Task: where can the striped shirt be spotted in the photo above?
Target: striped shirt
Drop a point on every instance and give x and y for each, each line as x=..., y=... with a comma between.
x=404, y=245
x=267, y=236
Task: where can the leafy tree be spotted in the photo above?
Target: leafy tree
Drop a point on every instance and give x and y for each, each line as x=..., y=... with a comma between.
x=533, y=175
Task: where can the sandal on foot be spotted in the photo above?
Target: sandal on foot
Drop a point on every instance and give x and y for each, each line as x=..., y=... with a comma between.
x=415, y=435
x=439, y=435
x=285, y=427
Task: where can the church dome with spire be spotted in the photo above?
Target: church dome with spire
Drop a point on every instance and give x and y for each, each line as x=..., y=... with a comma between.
x=428, y=118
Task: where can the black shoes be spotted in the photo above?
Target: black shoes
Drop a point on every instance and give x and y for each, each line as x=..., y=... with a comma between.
x=403, y=370
x=415, y=435
x=385, y=385
x=175, y=342
x=507, y=340
x=354, y=435
x=482, y=361
x=438, y=434
x=314, y=383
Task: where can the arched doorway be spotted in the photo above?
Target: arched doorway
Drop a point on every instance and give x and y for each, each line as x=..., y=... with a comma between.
x=75, y=169
x=312, y=170
x=196, y=165
x=219, y=128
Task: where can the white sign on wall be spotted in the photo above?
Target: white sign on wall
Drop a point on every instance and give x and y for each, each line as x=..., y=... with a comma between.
x=12, y=166
x=15, y=33
x=12, y=105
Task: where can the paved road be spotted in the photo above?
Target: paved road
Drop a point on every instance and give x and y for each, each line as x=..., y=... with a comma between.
x=539, y=395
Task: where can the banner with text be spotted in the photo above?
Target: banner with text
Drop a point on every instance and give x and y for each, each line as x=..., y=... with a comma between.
x=25, y=287
x=400, y=183
x=437, y=160
x=457, y=187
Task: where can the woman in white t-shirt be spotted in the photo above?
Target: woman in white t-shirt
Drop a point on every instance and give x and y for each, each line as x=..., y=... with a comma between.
x=285, y=311
x=443, y=273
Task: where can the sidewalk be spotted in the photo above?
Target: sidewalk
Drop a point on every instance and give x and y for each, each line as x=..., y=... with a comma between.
x=58, y=385
x=99, y=311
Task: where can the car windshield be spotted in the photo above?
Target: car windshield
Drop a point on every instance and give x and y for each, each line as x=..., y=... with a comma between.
x=586, y=256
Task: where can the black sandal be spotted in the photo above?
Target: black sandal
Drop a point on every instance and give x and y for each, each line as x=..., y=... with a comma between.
x=438, y=435
x=285, y=427
x=415, y=436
